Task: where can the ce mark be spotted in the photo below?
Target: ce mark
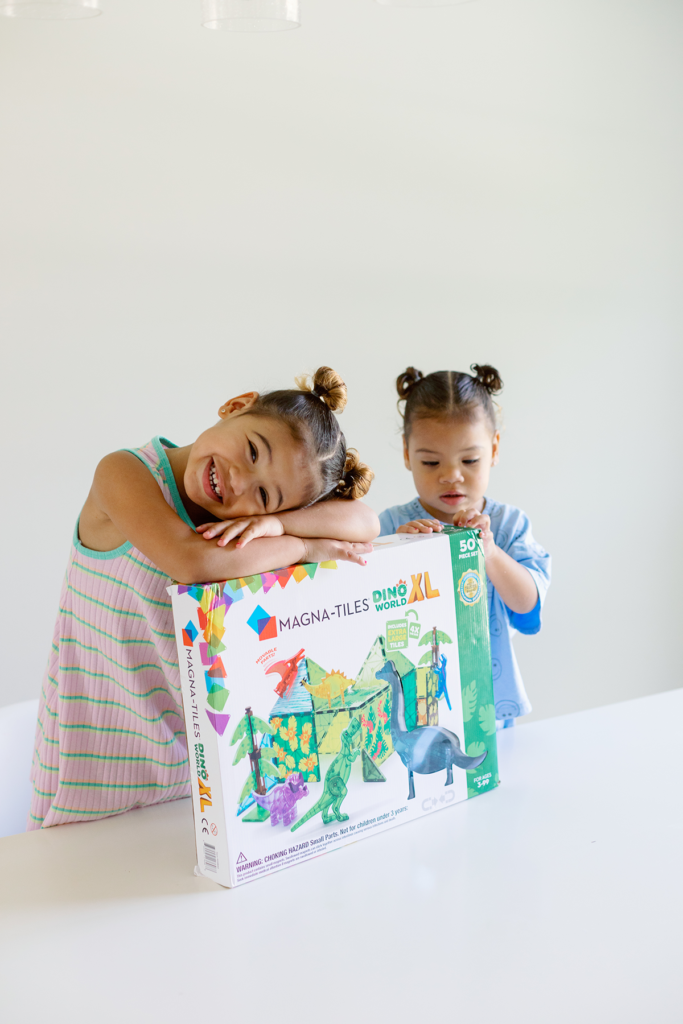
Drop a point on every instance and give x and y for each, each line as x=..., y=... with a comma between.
x=431, y=802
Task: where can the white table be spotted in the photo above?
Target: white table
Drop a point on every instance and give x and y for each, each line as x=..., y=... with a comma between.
x=557, y=898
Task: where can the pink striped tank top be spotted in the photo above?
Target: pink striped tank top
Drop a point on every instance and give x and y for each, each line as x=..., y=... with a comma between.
x=111, y=733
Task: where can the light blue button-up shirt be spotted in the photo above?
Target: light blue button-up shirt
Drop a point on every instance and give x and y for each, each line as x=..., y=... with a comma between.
x=512, y=533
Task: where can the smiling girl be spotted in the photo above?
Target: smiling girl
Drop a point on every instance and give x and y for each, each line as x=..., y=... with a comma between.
x=450, y=442
x=272, y=479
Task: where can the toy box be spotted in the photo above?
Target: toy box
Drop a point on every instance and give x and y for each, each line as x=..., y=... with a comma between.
x=327, y=702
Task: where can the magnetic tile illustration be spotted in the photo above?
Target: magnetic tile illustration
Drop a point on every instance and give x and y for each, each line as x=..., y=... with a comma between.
x=217, y=697
x=189, y=635
x=219, y=722
x=263, y=623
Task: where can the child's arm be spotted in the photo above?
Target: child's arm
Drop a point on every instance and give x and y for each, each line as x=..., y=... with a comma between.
x=126, y=504
x=337, y=518
x=513, y=581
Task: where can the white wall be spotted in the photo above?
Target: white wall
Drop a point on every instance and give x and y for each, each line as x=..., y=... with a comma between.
x=187, y=214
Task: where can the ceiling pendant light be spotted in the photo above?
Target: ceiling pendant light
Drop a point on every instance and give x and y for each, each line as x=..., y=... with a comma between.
x=53, y=10
x=251, y=15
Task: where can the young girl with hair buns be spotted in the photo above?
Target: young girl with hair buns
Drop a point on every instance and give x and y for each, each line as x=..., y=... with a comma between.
x=272, y=480
x=450, y=442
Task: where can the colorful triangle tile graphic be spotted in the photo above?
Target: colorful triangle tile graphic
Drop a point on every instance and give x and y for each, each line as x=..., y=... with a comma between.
x=254, y=583
x=268, y=580
x=217, y=670
x=215, y=647
x=284, y=575
x=217, y=697
x=219, y=722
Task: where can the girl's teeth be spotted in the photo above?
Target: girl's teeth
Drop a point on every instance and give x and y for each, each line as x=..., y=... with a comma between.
x=214, y=482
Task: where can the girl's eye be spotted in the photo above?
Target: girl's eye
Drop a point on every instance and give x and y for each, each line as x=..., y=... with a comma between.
x=264, y=497
x=470, y=462
x=430, y=463
x=253, y=451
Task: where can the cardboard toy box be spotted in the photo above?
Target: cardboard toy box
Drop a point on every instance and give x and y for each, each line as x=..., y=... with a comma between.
x=327, y=702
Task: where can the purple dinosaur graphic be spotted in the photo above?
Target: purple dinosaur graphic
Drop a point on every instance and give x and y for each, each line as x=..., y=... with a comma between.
x=282, y=799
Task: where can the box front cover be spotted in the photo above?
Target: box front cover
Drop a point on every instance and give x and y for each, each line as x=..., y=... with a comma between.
x=327, y=702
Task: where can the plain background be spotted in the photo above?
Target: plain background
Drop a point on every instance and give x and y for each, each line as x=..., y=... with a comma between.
x=187, y=214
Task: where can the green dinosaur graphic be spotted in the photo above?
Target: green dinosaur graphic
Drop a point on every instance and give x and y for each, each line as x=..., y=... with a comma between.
x=333, y=685
x=336, y=777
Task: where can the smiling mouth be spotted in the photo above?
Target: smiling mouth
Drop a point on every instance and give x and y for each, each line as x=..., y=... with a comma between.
x=213, y=481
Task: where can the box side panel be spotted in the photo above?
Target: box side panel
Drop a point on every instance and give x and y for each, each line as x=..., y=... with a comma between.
x=202, y=747
x=474, y=650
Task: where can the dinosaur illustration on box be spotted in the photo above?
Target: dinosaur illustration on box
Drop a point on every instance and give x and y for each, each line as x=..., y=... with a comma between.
x=442, y=690
x=288, y=672
x=335, y=684
x=282, y=800
x=438, y=661
x=428, y=748
x=336, y=777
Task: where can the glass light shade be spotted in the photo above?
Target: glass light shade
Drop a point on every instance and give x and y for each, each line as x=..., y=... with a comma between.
x=56, y=10
x=251, y=15
x=422, y=3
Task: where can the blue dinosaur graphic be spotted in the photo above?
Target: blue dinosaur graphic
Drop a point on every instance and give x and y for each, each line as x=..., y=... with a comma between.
x=428, y=748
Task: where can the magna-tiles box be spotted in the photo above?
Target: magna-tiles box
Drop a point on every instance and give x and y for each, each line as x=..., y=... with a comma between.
x=326, y=702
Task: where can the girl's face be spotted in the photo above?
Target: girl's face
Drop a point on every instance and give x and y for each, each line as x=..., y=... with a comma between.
x=451, y=462
x=247, y=465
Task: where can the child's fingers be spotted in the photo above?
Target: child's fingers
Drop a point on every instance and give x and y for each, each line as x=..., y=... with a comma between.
x=422, y=526
x=240, y=532
x=358, y=552
x=355, y=552
x=209, y=530
x=468, y=518
x=232, y=530
x=251, y=533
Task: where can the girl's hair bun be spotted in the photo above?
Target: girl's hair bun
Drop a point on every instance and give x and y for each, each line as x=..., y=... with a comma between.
x=327, y=385
x=406, y=382
x=357, y=477
x=488, y=377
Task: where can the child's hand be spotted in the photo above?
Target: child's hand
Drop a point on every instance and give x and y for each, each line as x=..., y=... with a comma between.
x=470, y=519
x=249, y=527
x=320, y=549
x=420, y=526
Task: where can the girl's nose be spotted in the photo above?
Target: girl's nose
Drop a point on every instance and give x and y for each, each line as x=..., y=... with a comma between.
x=452, y=475
x=236, y=481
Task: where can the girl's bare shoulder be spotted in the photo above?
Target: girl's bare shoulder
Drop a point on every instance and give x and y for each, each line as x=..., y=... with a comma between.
x=121, y=483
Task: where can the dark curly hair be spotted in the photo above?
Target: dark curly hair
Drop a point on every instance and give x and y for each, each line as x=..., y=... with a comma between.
x=447, y=393
x=309, y=411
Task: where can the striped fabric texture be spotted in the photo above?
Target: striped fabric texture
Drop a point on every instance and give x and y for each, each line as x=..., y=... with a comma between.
x=111, y=733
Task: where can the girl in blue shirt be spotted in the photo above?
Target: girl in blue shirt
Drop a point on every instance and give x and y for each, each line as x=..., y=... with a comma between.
x=450, y=442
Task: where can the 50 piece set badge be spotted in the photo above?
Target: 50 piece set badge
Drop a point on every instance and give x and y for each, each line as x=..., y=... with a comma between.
x=325, y=702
